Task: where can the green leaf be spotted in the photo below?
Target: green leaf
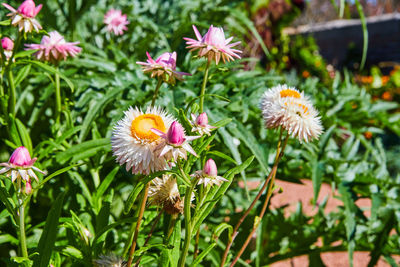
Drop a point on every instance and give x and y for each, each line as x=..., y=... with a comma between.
x=106, y=183
x=350, y=218
x=25, y=138
x=6, y=22
x=251, y=142
x=365, y=33
x=227, y=137
x=51, y=70
x=317, y=172
x=14, y=132
x=111, y=226
x=22, y=73
x=314, y=259
x=49, y=235
x=56, y=173
x=175, y=241
x=95, y=111
x=222, y=227
x=7, y=200
x=323, y=141
x=222, y=155
x=132, y=197
x=71, y=251
x=76, y=150
x=240, y=16
x=203, y=254
x=25, y=53
x=7, y=238
x=23, y=260
x=216, y=193
x=222, y=123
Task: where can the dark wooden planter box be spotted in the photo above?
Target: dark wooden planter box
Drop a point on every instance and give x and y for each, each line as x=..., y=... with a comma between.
x=341, y=41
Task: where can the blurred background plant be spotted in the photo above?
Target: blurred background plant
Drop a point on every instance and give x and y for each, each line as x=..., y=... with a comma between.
x=357, y=155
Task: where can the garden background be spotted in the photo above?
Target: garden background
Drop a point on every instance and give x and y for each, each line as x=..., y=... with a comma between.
x=84, y=209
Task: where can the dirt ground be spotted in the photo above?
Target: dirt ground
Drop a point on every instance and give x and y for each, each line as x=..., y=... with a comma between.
x=292, y=193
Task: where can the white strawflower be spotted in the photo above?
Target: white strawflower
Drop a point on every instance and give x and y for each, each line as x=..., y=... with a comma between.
x=133, y=142
x=286, y=107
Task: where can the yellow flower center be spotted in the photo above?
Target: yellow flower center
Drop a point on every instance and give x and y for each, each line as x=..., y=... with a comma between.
x=289, y=93
x=303, y=107
x=141, y=127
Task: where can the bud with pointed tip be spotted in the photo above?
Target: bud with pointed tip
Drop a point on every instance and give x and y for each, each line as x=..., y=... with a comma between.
x=7, y=44
x=21, y=157
x=28, y=187
x=210, y=168
x=202, y=120
x=176, y=134
x=28, y=9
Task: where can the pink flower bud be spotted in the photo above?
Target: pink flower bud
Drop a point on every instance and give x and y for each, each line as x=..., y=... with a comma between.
x=202, y=120
x=20, y=157
x=28, y=9
x=7, y=44
x=167, y=60
x=176, y=134
x=28, y=187
x=210, y=168
x=215, y=36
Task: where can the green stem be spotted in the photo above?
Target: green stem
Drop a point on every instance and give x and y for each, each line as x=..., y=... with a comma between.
x=171, y=227
x=22, y=237
x=10, y=77
x=58, y=98
x=153, y=101
x=12, y=100
x=188, y=225
x=202, y=190
x=203, y=86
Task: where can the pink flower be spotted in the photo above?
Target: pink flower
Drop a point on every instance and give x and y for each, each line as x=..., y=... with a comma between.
x=28, y=187
x=210, y=168
x=200, y=124
x=21, y=157
x=213, y=45
x=176, y=134
x=175, y=142
x=54, y=48
x=28, y=9
x=24, y=17
x=7, y=44
x=209, y=174
x=164, y=66
x=115, y=21
x=20, y=165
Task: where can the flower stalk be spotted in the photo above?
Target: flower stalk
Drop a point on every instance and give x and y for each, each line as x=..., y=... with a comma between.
x=58, y=98
x=271, y=176
x=264, y=207
x=22, y=236
x=203, y=86
x=159, y=83
x=12, y=100
x=139, y=220
x=188, y=224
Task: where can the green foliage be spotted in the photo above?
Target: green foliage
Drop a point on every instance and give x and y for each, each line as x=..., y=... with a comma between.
x=85, y=206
